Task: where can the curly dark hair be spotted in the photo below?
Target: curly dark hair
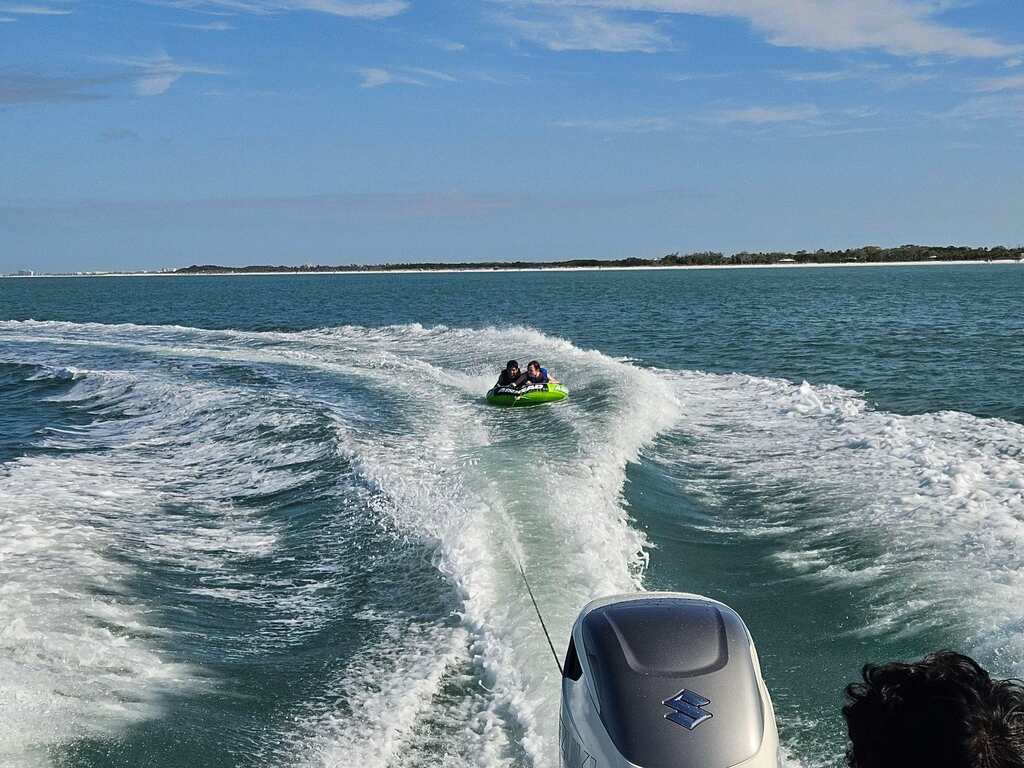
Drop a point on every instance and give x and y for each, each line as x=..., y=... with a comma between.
x=941, y=712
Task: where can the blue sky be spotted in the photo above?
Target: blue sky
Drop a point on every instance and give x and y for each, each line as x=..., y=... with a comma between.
x=138, y=135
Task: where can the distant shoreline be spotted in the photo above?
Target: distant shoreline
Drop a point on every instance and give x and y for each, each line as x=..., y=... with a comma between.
x=241, y=272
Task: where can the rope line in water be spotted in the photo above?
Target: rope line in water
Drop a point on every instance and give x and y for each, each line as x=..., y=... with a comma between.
x=536, y=608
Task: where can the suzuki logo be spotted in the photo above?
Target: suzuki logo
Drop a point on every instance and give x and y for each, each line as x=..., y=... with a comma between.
x=688, y=707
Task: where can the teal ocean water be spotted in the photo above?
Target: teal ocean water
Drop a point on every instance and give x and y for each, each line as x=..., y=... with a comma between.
x=269, y=521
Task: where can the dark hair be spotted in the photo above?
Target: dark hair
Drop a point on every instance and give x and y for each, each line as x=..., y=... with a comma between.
x=942, y=712
x=533, y=363
x=511, y=364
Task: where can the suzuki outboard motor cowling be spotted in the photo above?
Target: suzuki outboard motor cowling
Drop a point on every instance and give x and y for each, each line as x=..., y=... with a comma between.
x=664, y=680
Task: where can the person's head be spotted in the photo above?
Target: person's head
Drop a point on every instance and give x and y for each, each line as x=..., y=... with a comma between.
x=533, y=368
x=512, y=366
x=941, y=712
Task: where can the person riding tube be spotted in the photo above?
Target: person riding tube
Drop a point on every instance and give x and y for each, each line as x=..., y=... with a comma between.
x=511, y=376
x=537, y=375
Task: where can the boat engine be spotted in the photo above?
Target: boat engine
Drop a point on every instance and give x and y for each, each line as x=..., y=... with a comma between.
x=664, y=680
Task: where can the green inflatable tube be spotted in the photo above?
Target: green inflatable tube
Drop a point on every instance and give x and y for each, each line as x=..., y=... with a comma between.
x=537, y=394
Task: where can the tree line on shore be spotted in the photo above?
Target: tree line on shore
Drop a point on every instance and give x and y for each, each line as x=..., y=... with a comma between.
x=868, y=254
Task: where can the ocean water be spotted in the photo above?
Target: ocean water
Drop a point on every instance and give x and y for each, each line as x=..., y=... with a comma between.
x=268, y=521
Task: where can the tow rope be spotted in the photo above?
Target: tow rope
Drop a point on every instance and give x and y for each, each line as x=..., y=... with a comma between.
x=540, y=618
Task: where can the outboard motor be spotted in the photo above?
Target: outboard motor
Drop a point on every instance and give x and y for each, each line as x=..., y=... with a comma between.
x=664, y=680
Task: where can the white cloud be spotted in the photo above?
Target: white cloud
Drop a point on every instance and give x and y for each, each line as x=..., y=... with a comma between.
x=1012, y=63
x=860, y=113
x=213, y=26
x=369, y=9
x=374, y=77
x=495, y=78
x=7, y=20
x=155, y=76
x=155, y=84
x=829, y=76
x=806, y=120
x=994, y=107
x=997, y=84
x=687, y=77
x=757, y=115
x=433, y=74
x=444, y=44
x=882, y=76
x=31, y=10
x=588, y=31
x=622, y=125
x=900, y=27
x=381, y=9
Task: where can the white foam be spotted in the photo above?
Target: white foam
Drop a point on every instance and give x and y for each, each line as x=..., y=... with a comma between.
x=458, y=477
x=931, y=506
x=76, y=654
x=80, y=656
x=934, y=501
x=454, y=475
x=63, y=373
x=377, y=710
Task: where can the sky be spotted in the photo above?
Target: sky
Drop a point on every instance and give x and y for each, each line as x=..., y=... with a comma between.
x=163, y=133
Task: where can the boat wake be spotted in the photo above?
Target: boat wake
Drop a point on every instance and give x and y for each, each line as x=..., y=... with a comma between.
x=205, y=501
x=921, y=515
